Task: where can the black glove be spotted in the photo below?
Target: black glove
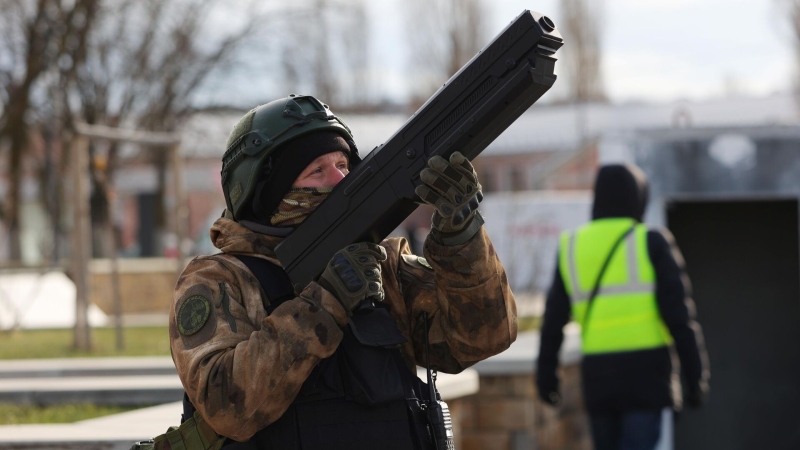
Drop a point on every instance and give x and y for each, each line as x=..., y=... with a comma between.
x=548, y=390
x=552, y=398
x=354, y=274
x=452, y=188
x=696, y=396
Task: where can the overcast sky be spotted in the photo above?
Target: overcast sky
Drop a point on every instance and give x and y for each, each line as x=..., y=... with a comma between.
x=653, y=50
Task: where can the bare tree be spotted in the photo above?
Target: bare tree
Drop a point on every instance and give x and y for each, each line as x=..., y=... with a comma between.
x=113, y=62
x=580, y=26
x=36, y=37
x=324, y=50
x=146, y=62
x=443, y=35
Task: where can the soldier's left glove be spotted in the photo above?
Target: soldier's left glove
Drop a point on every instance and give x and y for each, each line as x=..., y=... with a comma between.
x=452, y=188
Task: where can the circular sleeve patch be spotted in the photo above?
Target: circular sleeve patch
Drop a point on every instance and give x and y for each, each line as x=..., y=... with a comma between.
x=193, y=314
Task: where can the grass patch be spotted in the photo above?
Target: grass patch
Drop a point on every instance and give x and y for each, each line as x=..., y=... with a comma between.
x=20, y=414
x=529, y=323
x=57, y=343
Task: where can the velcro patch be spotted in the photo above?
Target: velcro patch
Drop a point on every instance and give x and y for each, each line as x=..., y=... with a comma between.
x=193, y=314
x=417, y=261
x=424, y=262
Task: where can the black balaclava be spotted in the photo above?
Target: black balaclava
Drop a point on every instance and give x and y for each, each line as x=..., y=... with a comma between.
x=285, y=166
x=620, y=190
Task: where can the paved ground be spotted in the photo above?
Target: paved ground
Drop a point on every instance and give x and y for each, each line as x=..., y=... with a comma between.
x=115, y=432
x=106, y=381
x=153, y=380
x=69, y=367
x=116, y=381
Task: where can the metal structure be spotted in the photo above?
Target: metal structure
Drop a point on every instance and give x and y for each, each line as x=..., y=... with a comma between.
x=81, y=230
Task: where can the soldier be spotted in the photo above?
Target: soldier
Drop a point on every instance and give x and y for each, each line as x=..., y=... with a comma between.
x=332, y=366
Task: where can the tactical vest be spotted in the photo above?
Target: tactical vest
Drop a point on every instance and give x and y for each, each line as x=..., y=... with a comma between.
x=361, y=397
x=624, y=315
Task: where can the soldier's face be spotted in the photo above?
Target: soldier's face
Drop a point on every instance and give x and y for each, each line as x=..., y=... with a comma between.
x=325, y=171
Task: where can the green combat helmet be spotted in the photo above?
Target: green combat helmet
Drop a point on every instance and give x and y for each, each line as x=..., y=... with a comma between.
x=261, y=132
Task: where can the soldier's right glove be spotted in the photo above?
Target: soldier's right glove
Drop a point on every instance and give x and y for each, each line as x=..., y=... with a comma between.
x=452, y=188
x=354, y=274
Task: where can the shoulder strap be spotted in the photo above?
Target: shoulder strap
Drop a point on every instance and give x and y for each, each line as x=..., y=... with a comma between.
x=273, y=279
x=596, y=288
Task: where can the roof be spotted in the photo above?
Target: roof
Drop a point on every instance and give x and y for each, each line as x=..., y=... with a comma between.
x=542, y=127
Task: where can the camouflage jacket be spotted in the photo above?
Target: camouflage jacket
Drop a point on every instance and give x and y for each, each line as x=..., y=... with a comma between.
x=243, y=368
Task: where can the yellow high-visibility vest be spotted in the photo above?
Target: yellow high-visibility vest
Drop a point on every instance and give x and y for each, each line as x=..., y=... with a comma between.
x=624, y=315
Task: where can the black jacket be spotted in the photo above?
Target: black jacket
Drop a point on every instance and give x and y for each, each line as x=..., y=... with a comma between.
x=633, y=380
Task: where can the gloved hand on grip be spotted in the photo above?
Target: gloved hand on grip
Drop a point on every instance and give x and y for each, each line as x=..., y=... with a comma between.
x=354, y=274
x=452, y=188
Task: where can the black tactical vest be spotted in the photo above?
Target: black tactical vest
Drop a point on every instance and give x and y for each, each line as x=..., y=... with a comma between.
x=361, y=397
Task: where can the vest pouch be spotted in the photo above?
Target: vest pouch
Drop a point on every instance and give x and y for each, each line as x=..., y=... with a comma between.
x=370, y=373
x=338, y=424
x=419, y=424
x=192, y=434
x=324, y=382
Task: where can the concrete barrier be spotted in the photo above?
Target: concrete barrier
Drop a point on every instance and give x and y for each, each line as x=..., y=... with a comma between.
x=506, y=413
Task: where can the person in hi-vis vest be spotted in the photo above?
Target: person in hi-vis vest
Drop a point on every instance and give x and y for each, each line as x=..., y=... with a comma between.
x=625, y=285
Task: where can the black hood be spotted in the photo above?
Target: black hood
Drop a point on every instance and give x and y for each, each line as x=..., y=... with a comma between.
x=620, y=191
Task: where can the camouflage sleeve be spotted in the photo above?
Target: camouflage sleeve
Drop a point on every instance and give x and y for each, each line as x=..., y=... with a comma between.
x=471, y=310
x=240, y=367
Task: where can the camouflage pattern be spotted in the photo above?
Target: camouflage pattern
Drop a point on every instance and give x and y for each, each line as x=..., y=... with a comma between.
x=242, y=368
x=452, y=188
x=298, y=204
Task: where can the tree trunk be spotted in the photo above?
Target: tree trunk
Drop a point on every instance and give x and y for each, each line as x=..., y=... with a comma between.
x=81, y=242
x=16, y=130
x=38, y=35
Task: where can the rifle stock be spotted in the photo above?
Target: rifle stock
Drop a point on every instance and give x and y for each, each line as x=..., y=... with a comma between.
x=466, y=114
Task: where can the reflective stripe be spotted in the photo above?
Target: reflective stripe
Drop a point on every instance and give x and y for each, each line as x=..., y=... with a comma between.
x=638, y=288
x=634, y=285
x=633, y=263
x=573, y=271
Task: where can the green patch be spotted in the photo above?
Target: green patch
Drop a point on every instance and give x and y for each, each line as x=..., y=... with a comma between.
x=193, y=314
x=424, y=262
x=11, y=414
x=58, y=343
